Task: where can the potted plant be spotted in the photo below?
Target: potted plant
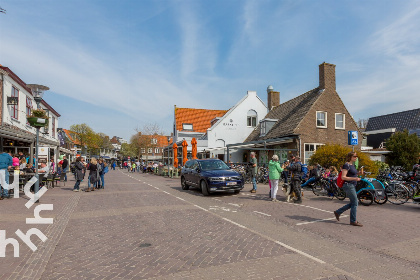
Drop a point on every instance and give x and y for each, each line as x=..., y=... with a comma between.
x=38, y=118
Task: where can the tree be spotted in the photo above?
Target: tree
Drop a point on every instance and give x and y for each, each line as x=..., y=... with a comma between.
x=361, y=123
x=405, y=149
x=145, y=139
x=335, y=155
x=127, y=150
x=83, y=134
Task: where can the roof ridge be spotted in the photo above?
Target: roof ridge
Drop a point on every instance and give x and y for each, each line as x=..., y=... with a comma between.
x=202, y=109
x=418, y=109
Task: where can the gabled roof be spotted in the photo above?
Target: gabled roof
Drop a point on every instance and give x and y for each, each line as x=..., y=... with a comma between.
x=199, y=118
x=68, y=134
x=288, y=114
x=401, y=120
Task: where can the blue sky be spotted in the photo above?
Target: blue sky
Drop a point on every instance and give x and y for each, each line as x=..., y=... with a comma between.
x=118, y=65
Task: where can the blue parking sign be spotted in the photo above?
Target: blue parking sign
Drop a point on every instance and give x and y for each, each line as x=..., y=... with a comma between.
x=353, y=138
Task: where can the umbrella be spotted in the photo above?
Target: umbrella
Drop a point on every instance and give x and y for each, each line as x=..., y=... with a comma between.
x=184, y=152
x=194, y=148
x=175, y=147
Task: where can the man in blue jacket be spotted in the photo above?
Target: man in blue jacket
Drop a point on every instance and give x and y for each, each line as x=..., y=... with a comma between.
x=6, y=161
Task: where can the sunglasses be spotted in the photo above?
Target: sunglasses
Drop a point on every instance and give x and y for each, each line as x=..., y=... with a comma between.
x=354, y=156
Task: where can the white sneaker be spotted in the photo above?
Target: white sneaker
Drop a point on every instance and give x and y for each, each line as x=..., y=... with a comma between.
x=75, y=190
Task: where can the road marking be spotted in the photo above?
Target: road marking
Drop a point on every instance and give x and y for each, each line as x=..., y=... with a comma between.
x=216, y=199
x=237, y=205
x=180, y=198
x=299, y=252
x=307, y=206
x=262, y=213
x=230, y=221
x=166, y=192
x=201, y=208
x=305, y=223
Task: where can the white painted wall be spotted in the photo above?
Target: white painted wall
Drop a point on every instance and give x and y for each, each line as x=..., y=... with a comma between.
x=232, y=127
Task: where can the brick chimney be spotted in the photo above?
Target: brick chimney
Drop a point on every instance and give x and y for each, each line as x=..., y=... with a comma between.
x=273, y=98
x=327, y=76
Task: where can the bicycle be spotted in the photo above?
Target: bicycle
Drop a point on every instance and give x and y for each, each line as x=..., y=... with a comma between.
x=369, y=190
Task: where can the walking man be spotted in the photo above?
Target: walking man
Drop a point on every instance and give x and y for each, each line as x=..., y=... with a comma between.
x=254, y=171
x=65, y=167
x=296, y=169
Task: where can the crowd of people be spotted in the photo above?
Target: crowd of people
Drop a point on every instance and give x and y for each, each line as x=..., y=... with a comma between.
x=140, y=166
x=96, y=178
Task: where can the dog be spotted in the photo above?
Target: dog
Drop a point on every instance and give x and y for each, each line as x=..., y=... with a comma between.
x=290, y=195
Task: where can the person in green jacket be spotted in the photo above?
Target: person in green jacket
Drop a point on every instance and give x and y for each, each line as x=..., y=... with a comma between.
x=275, y=171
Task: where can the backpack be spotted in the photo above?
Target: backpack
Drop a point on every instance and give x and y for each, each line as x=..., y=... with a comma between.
x=304, y=171
x=340, y=181
x=105, y=170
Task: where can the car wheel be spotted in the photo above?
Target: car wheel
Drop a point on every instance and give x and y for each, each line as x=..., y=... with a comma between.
x=184, y=185
x=204, y=189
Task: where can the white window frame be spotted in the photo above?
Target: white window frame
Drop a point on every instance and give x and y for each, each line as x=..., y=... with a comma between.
x=344, y=121
x=316, y=119
x=153, y=141
x=316, y=146
x=143, y=150
x=156, y=150
x=149, y=150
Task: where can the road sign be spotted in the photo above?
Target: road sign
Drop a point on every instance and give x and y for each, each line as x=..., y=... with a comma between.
x=353, y=138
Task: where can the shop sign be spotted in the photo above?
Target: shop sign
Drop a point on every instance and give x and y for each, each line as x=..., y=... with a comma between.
x=12, y=100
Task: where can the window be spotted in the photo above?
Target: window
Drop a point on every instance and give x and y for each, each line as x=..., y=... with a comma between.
x=310, y=149
x=28, y=108
x=340, y=121
x=143, y=150
x=187, y=126
x=53, y=126
x=266, y=126
x=157, y=151
x=150, y=150
x=15, y=108
x=153, y=141
x=321, y=119
x=251, y=120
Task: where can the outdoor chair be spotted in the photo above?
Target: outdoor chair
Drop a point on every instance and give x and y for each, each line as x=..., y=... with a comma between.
x=60, y=179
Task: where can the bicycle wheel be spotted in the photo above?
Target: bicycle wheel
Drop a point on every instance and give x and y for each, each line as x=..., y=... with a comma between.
x=317, y=188
x=339, y=193
x=381, y=201
x=365, y=198
x=397, y=193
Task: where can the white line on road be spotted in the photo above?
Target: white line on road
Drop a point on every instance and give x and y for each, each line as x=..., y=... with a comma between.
x=305, y=223
x=262, y=213
x=237, y=205
x=166, y=192
x=307, y=206
x=201, y=208
x=299, y=252
x=230, y=221
x=216, y=199
x=180, y=198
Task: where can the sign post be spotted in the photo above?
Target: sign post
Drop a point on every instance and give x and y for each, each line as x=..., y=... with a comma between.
x=353, y=138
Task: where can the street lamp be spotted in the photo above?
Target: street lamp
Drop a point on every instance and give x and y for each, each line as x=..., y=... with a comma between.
x=38, y=93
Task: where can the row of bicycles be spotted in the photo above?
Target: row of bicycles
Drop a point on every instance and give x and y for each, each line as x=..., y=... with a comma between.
x=394, y=185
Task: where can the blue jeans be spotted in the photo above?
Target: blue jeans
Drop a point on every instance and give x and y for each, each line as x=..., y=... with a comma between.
x=102, y=181
x=350, y=190
x=65, y=173
x=254, y=183
x=5, y=192
x=76, y=186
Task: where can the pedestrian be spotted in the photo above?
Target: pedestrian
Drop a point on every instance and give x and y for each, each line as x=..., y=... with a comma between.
x=65, y=167
x=22, y=164
x=79, y=169
x=133, y=167
x=6, y=162
x=104, y=171
x=296, y=169
x=113, y=165
x=274, y=174
x=93, y=174
x=349, y=175
x=254, y=171
x=101, y=165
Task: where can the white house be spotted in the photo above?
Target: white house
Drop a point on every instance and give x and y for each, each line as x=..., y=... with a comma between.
x=16, y=135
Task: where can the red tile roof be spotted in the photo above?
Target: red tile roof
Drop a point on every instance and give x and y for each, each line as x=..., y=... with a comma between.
x=199, y=118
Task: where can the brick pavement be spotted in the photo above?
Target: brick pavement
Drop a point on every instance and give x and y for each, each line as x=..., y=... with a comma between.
x=144, y=227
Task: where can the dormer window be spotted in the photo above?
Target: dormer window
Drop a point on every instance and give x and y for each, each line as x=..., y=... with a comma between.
x=187, y=126
x=252, y=118
x=153, y=141
x=266, y=126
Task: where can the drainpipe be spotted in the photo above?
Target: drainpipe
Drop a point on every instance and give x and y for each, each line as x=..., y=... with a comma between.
x=2, y=97
x=300, y=148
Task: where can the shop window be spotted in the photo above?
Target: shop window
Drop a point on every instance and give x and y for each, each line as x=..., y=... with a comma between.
x=321, y=119
x=251, y=120
x=310, y=149
x=340, y=121
x=15, y=108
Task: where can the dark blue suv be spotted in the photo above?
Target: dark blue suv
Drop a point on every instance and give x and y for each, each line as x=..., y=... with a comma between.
x=210, y=175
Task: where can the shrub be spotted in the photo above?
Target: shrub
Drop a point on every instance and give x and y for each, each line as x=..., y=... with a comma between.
x=335, y=155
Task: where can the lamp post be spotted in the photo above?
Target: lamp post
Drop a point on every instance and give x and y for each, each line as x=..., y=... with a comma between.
x=169, y=139
x=38, y=93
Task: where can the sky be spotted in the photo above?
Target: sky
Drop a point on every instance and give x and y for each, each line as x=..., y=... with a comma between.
x=119, y=65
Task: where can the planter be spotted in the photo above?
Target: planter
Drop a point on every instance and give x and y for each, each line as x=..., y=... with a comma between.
x=37, y=122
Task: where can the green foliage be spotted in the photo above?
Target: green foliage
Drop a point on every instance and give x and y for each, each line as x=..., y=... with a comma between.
x=381, y=165
x=335, y=155
x=128, y=150
x=404, y=149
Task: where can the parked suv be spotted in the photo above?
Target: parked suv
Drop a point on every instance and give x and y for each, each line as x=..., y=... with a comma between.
x=210, y=175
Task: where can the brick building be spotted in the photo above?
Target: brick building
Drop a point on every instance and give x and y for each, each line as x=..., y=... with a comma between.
x=300, y=125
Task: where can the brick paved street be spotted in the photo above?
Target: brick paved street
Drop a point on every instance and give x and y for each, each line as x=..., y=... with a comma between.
x=144, y=226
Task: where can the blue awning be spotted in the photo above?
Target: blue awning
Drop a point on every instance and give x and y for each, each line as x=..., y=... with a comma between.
x=106, y=157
